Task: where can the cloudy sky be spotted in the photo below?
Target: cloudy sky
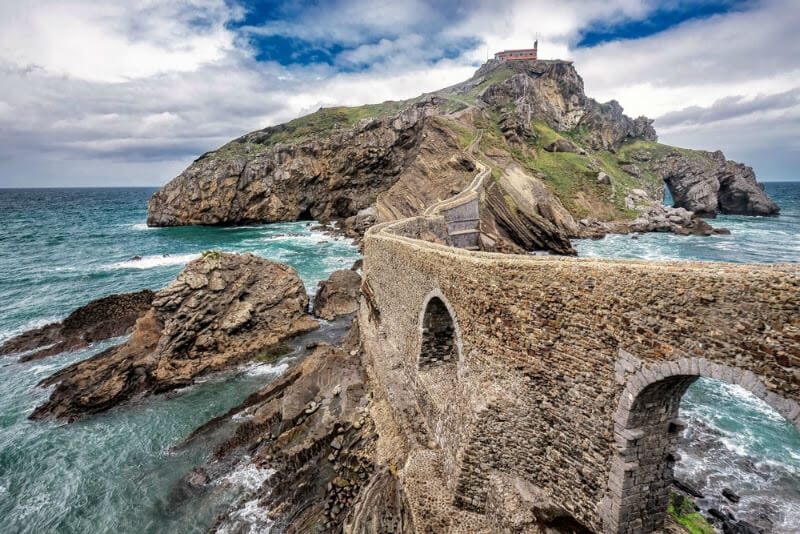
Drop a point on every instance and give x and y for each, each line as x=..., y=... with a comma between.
x=129, y=92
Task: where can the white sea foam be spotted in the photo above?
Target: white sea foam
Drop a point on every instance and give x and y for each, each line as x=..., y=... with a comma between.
x=250, y=514
x=150, y=262
x=247, y=476
x=30, y=325
x=142, y=226
x=261, y=369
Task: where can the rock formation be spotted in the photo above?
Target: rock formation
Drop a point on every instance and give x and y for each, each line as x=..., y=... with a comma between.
x=388, y=161
x=100, y=319
x=221, y=309
x=712, y=185
x=313, y=427
x=338, y=295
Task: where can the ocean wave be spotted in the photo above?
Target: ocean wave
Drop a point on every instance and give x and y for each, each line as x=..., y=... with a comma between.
x=150, y=262
x=30, y=325
x=261, y=369
x=246, y=475
x=142, y=226
x=254, y=517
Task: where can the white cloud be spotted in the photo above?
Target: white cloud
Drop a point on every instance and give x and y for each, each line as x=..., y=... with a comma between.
x=114, y=42
x=86, y=87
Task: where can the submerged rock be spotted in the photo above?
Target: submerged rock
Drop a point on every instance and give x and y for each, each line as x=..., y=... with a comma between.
x=100, y=319
x=338, y=295
x=221, y=309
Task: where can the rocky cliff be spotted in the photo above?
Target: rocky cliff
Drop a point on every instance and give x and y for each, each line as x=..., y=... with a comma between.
x=221, y=309
x=557, y=157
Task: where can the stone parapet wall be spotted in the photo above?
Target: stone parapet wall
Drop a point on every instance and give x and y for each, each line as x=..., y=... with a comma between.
x=540, y=390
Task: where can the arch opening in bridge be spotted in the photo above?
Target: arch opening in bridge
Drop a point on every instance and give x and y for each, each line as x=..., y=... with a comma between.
x=647, y=433
x=439, y=336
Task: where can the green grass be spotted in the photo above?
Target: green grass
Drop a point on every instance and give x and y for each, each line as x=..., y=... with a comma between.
x=498, y=75
x=682, y=509
x=464, y=134
x=302, y=128
x=544, y=134
x=211, y=254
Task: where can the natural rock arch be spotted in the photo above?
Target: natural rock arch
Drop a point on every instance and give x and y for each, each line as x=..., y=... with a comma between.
x=646, y=431
x=440, y=340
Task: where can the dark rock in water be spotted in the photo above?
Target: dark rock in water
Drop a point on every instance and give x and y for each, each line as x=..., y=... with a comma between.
x=358, y=265
x=135, y=258
x=731, y=526
x=730, y=495
x=101, y=319
x=716, y=514
x=222, y=309
x=686, y=488
x=338, y=295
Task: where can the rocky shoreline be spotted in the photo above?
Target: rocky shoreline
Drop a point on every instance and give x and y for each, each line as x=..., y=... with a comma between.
x=222, y=309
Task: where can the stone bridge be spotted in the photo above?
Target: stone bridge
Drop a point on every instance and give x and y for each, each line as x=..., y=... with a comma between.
x=552, y=384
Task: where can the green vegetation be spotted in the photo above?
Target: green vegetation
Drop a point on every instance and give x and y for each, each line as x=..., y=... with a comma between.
x=544, y=134
x=464, y=134
x=273, y=353
x=302, y=128
x=211, y=254
x=498, y=75
x=682, y=509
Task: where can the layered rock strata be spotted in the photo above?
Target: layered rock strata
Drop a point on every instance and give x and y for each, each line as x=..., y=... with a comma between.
x=222, y=309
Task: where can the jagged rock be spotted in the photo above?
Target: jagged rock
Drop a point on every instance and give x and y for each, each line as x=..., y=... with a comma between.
x=321, y=460
x=100, y=319
x=730, y=495
x=338, y=295
x=631, y=169
x=707, y=184
x=409, y=155
x=603, y=178
x=190, y=329
x=322, y=176
x=689, y=490
x=522, y=215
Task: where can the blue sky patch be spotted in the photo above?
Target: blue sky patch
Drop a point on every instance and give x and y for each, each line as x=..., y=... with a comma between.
x=666, y=16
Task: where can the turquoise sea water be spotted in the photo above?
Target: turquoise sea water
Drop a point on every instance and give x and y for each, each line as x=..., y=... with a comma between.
x=118, y=472
x=734, y=440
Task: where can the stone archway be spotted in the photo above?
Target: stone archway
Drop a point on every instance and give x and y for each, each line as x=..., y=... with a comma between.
x=646, y=431
x=439, y=335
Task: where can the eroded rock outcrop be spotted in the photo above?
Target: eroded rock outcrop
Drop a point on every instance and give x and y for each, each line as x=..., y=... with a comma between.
x=314, y=175
x=221, y=309
x=100, y=319
x=712, y=185
x=338, y=295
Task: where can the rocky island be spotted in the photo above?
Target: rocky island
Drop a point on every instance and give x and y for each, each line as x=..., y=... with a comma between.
x=562, y=166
